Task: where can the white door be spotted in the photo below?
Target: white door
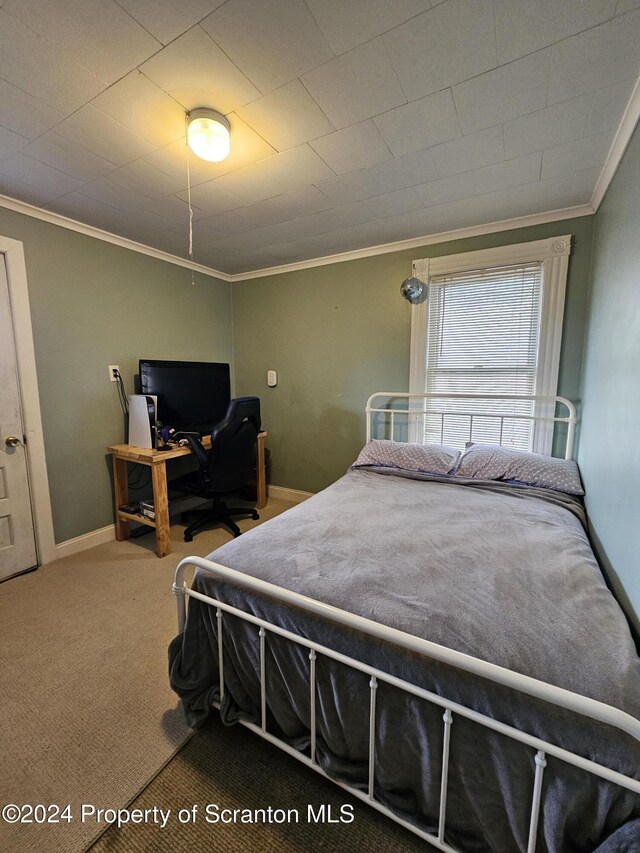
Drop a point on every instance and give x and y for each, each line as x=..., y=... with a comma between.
x=17, y=539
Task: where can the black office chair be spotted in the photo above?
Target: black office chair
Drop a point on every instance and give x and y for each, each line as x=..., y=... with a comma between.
x=225, y=468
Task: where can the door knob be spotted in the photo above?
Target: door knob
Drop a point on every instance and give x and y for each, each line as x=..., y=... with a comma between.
x=12, y=441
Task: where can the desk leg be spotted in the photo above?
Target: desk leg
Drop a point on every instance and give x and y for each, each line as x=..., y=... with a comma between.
x=161, y=507
x=261, y=475
x=121, y=492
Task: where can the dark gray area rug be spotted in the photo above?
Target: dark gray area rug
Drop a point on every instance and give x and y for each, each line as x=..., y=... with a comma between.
x=230, y=768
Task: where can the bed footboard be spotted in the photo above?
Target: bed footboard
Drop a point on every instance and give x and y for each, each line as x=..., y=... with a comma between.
x=579, y=705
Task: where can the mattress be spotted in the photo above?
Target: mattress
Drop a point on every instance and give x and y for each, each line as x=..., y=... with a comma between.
x=501, y=572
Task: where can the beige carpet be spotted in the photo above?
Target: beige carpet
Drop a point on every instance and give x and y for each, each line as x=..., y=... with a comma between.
x=86, y=712
x=235, y=769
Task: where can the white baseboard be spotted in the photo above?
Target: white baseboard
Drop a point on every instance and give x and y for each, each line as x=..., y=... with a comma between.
x=108, y=533
x=87, y=540
x=293, y=495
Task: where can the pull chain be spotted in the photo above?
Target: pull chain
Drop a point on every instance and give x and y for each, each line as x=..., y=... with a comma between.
x=193, y=280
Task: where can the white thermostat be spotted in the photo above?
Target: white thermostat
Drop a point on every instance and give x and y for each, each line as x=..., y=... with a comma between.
x=272, y=378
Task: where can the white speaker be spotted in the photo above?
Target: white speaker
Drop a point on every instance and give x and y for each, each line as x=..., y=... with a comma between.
x=142, y=420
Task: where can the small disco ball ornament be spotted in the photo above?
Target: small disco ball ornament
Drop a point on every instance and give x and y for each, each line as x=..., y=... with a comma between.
x=413, y=290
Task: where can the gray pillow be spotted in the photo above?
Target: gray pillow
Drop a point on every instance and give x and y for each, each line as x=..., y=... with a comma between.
x=492, y=462
x=424, y=458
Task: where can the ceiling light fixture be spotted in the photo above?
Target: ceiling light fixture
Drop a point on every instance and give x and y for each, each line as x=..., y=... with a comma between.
x=208, y=134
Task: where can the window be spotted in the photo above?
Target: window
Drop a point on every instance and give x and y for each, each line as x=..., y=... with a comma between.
x=491, y=325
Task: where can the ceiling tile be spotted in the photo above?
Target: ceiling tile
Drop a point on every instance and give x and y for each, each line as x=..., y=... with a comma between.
x=271, y=42
x=110, y=192
x=11, y=186
x=142, y=107
x=166, y=19
x=539, y=196
x=249, y=185
x=447, y=189
x=407, y=171
x=297, y=167
x=597, y=58
x=208, y=229
x=551, y=126
x=302, y=201
x=357, y=85
x=287, y=117
x=227, y=224
x=351, y=187
x=87, y=210
x=263, y=213
x=505, y=93
x=448, y=44
x=348, y=23
x=194, y=71
x=469, y=152
x=213, y=198
x=98, y=35
x=608, y=107
x=511, y=173
x=25, y=114
x=387, y=204
x=130, y=226
x=68, y=157
x=38, y=175
x=142, y=177
x=352, y=148
x=489, y=207
x=420, y=124
x=174, y=211
x=246, y=147
x=588, y=153
x=232, y=260
x=36, y=67
x=10, y=143
x=103, y=136
x=523, y=27
x=583, y=184
x=150, y=219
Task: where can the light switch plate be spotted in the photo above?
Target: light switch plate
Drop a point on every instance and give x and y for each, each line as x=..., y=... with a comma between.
x=272, y=378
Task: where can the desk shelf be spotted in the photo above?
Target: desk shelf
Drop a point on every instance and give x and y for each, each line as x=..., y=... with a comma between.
x=124, y=454
x=140, y=519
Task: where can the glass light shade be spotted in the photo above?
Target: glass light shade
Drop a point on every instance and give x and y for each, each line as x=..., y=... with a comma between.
x=208, y=135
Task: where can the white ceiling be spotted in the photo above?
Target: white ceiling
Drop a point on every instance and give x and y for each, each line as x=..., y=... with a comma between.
x=353, y=122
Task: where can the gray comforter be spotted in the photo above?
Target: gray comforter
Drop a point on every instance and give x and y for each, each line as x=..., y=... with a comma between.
x=504, y=573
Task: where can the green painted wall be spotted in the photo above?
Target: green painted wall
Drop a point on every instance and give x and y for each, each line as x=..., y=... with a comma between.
x=337, y=333
x=95, y=304
x=610, y=442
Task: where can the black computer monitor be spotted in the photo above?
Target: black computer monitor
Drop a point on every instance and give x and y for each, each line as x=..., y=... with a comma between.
x=192, y=395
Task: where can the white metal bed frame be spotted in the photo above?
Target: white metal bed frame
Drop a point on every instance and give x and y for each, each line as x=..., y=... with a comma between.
x=560, y=697
x=414, y=411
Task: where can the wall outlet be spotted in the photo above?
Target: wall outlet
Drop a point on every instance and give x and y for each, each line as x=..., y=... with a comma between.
x=112, y=369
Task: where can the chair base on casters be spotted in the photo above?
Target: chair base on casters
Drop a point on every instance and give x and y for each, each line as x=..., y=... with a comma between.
x=220, y=513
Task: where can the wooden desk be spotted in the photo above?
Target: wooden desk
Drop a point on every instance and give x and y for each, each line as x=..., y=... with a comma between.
x=156, y=459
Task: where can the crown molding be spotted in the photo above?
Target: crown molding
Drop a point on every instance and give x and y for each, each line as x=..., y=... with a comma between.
x=382, y=249
x=618, y=147
x=427, y=240
x=106, y=236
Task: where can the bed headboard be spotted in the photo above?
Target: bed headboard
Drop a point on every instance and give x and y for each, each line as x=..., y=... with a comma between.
x=488, y=418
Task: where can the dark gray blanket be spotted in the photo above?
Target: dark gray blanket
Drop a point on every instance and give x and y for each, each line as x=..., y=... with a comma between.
x=503, y=573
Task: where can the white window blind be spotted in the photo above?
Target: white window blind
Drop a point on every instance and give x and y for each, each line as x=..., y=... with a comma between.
x=483, y=334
